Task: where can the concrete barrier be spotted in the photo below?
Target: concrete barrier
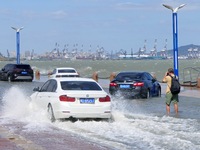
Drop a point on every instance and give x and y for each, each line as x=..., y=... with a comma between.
x=112, y=76
x=95, y=76
x=37, y=75
x=198, y=82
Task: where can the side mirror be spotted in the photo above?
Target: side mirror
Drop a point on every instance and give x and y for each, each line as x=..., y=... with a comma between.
x=3, y=69
x=36, y=89
x=154, y=80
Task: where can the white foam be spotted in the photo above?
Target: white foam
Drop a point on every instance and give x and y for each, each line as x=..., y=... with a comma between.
x=130, y=130
x=15, y=103
x=18, y=106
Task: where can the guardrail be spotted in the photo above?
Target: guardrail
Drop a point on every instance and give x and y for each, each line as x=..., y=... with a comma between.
x=191, y=76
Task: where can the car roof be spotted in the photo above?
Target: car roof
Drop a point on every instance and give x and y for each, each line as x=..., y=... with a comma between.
x=73, y=79
x=65, y=68
x=17, y=64
x=133, y=72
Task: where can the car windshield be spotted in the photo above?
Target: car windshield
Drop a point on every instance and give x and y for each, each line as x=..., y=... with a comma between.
x=80, y=85
x=129, y=76
x=66, y=71
x=23, y=66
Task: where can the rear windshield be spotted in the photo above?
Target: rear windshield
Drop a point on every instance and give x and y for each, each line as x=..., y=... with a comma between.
x=80, y=85
x=67, y=71
x=23, y=66
x=129, y=76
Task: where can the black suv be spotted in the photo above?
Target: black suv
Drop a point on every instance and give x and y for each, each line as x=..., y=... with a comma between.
x=13, y=72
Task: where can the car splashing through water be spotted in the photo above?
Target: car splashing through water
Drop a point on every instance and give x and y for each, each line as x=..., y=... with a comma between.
x=138, y=124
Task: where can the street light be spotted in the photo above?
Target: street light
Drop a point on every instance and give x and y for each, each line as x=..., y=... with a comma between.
x=175, y=35
x=18, y=42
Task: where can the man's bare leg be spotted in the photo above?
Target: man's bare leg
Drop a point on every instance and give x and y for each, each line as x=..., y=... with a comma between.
x=176, y=108
x=168, y=109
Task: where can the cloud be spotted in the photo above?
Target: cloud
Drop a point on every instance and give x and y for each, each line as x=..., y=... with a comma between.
x=60, y=14
x=5, y=11
x=127, y=6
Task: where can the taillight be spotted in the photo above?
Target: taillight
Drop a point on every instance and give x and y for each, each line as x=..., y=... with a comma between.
x=113, y=84
x=65, y=98
x=138, y=84
x=104, y=99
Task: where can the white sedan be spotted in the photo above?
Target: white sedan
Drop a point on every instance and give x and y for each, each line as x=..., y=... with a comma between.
x=73, y=98
x=64, y=72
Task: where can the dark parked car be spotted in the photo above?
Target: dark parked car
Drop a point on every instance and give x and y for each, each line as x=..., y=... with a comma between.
x=135, y=84
x=13, y=72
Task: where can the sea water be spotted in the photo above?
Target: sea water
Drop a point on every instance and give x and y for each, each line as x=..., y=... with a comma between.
x=138, y=123
x=105, y=67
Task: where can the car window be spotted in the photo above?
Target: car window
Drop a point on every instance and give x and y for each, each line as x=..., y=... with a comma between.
x=52, y=86
x=45, y=86
x=149, y=77
x=80, y=85
x=66, y=71
x=128, y=76
x=8, y=67
x=144, y=77
x=23, y=66
x=54, y=71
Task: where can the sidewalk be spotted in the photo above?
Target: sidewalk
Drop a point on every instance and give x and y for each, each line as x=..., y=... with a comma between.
x=45, y=141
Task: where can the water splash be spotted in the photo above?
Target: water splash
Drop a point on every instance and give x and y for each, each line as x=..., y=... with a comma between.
x=17, y=105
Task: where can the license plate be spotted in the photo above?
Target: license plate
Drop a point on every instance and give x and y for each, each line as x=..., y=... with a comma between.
x=87, y=100
x=23, y=72
x=124, y=86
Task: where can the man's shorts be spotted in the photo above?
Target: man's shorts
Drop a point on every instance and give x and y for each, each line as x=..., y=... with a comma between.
x=171, y=98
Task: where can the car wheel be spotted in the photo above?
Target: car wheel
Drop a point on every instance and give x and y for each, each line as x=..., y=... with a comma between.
x=9, y=79
x=159, y=92
x=112, y=92
x=111, y=119
x=148, y=94
x=51, y=114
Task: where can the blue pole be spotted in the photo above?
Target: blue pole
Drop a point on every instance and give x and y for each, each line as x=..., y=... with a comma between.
x=175, y=43
x=18, y=47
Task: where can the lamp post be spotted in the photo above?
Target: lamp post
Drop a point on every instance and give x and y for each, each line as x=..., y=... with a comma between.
x=18, y=42
x=175, y=35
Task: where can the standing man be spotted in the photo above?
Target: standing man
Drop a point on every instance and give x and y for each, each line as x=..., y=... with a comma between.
x=169, y=96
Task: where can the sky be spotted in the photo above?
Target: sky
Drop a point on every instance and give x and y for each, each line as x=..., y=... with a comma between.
x=113, y=25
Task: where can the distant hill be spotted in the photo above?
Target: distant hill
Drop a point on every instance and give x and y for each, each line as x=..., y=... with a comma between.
x=183, y=50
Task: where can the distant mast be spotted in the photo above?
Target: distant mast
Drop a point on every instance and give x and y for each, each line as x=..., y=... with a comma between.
x=164, y=50
x=154, y=50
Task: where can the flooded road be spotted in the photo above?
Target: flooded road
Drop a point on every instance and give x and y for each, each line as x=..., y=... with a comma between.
x=138, y=124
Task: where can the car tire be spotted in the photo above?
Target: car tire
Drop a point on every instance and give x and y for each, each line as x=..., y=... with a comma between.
x=112, y=93
x=148, y=94
x=111, y=119
x=51, y=114
x=9, y=78
x=159, y=92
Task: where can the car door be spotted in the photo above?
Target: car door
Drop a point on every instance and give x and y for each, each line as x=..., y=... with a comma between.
x=47, y=94
x=42, y=96
x=52, y=96
x=149, y=82
x=1, y=73
x=153, y=84
x=4, y=72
